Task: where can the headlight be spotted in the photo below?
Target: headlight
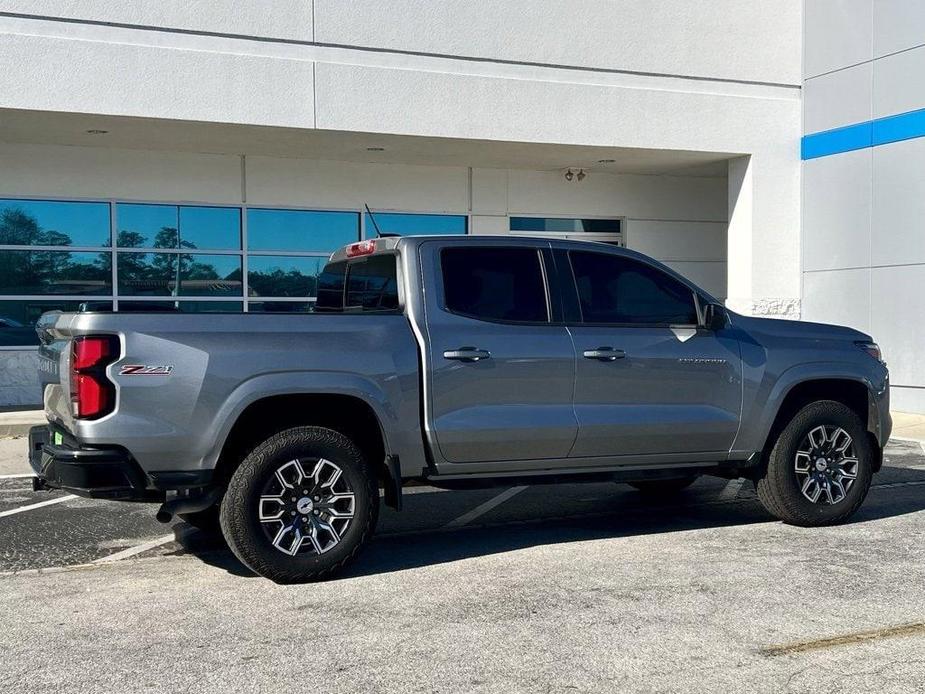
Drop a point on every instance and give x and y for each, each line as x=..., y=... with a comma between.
x=873, y=349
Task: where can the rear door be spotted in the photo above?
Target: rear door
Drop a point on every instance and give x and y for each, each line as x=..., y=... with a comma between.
x=650, y=380
x=500, y=374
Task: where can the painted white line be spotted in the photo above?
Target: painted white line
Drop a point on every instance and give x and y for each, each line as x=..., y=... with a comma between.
x=14, y=511
x=137, y=549
x=16, y=477
x=908, y=440
x=731, y=490
x=484, y=508
x=916, y=467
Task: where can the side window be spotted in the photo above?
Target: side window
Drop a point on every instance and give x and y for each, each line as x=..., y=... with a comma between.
x=372, y=284
x=331, y=287
x=495, y=283
x=614, y=289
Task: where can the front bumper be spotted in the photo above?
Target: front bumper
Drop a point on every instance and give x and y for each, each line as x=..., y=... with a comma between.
x=99, y=473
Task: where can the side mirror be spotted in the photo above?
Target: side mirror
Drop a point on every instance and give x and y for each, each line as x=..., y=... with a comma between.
x=714, y=317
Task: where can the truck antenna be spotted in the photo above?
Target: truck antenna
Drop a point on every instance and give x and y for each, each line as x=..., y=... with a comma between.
x=375, y=224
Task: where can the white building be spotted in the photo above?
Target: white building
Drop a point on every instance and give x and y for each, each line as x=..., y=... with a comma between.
x=210, y=154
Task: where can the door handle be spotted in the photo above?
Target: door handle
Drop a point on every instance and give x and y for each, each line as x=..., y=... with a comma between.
x=467, y=354
x=604, y=354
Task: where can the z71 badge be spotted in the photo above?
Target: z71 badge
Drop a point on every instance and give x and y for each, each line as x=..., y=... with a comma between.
x=144, y=370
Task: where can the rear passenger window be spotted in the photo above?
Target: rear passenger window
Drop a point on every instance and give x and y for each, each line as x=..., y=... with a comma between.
x=614, y=289
x=364, y=285
x=495, y=283
x=372, y=284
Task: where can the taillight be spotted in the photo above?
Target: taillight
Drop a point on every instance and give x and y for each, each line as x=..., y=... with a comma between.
x=93, y=395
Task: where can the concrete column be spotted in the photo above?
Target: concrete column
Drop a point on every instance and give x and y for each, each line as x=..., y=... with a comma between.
x=739, y=264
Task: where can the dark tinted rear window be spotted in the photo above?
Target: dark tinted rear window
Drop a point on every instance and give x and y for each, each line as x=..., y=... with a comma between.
x=614, y=289
x=364, y=285
x=495, y=283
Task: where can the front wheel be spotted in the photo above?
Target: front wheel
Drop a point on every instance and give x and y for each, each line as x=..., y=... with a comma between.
x=820, y=467
x=300, y=506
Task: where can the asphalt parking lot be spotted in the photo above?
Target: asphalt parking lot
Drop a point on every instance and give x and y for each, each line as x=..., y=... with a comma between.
x=569, y=588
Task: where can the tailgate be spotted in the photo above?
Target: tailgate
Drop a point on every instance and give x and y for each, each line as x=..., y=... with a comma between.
x=54, y=350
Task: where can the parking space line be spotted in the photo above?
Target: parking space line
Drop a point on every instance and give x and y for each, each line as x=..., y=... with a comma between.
x=484, y=508
x=17, y=477
x=14, y=511
x=137, y=549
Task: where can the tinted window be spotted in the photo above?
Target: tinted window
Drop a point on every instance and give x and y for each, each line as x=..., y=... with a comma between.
x=613, y=289
x=372, y=284
x=566, y=225
x=331, y=287
x=276, y=275
x=55, y=272
x=169, y=226
x=495, y=283
x=301, y=230
x=411, y=224
x=41, y=223
x=158, y=274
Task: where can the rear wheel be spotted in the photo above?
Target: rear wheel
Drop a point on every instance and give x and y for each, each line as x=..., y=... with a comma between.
x=820, y=467
x=661, y=487
x=300, y=506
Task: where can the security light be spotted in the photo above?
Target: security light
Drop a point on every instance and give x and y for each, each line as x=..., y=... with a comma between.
x=569, y=175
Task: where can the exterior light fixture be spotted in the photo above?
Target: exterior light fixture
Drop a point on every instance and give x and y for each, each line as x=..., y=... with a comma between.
x=606, y=161
x=581, y=175
x=375, y=149
x=569, y=175
x=97, y=132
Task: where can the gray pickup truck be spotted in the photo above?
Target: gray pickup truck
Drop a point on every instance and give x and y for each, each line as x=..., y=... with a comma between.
x=460, y=362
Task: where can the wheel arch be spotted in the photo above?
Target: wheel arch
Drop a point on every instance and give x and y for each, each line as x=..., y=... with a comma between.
x=851, y=391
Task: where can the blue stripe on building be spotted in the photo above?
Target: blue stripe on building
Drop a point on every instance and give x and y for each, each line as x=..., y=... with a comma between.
x=903, y=126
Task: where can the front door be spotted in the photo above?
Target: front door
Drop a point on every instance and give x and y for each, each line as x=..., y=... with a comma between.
x=649, y=380
x=500, y=375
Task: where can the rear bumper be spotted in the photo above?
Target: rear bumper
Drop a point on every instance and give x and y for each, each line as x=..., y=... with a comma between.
x=106, y=472
x=100, y=473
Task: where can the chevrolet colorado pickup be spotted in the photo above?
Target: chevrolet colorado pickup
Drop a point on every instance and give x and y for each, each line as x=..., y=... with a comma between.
x=460, y=362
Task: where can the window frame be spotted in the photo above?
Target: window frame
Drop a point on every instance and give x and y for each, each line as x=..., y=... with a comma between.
x=544, y=276
x=574, y=295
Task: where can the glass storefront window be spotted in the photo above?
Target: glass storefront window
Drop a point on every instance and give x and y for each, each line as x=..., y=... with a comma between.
x=173, y=227
x=17, y=319
x=564, y=225
x=279, y=276
x=280, y=306
x=301, y=230
x=179, y=274
x=415, y=224
x=46, y=223
x=55, y=272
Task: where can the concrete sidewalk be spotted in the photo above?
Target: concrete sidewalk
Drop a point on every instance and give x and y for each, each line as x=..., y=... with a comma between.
x=909, y=426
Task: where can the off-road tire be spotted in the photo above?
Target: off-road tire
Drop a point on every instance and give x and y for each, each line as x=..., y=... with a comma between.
x=778, y=488
x=662, y=487
x=239, y=509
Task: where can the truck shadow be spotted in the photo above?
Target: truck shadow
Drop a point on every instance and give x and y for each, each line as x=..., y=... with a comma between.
x=627, y=516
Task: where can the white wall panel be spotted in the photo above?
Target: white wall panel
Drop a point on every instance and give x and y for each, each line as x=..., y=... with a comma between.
x=836, y=34
x=898, y=321
x=489, y=190
x=647, y=197
x=491, y=225
x=694, y=37
x=308, y=182
x=841, y=297
x=907, y=399
x=55, y=74
x=288, y=19
x=899, y=204
x=837, y=99
x=898, y=83
x=837, y=213
x=97, y=172
x=710, y=276
x=898, y=25
x=677, y=240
